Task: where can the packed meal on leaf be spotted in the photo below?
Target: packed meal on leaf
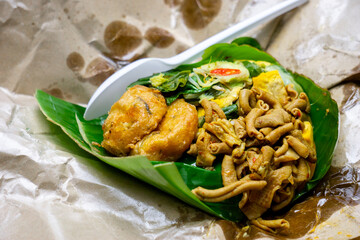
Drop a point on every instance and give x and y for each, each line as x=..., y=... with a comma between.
x=249, y=115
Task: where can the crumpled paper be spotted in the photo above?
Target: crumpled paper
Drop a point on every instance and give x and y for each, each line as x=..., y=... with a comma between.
x=67, y=48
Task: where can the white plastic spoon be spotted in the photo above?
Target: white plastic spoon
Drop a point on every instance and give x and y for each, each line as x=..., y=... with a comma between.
x=113, y=87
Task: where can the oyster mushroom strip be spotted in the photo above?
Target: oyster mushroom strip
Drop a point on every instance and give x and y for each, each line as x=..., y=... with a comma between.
x=291, y=91
x=312, y=150
x=224, y=131
x=299, y=147
x=229, y=191
x=271, y=225
x=228, y=171
x=273, y=118
x=289, y=156
x=214, y=148
x=219, y=148
x=300, y=103
x=267, y=98
x=260, y=201
x=246, y=101
x=240, y=169
x=260, y=162
x=239, y=127
x=238, y=154
x=211, y=109
x=278, y=132
x=299, y=125
x=303, y=96
x=204, y=158
x=283, y=193
x=303, y=171
x=262, y=105
x=244, y=199
x=282, y=149
x=287, y=196
x=250, y=123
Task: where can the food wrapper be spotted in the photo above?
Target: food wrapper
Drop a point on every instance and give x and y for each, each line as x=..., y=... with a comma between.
x=53, y=190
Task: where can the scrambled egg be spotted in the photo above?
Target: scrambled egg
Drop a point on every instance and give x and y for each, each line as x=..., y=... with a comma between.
x=229, y=99
x=271, y=82
x=308, y=133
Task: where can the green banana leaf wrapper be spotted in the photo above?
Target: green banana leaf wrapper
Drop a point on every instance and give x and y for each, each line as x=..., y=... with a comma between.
x=178, y=178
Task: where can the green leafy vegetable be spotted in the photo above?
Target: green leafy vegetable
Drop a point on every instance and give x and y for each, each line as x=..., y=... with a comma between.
x=253, y=68
x=247, y=40
x=180, y=177
x=173, y=80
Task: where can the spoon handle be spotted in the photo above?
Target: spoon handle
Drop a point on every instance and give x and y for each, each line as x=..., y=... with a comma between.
x=234, y=31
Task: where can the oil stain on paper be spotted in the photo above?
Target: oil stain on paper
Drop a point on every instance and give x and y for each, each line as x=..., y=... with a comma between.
x=197, y=14
x=172, y=3
x=122, y=38
x=56, y=92
x=98, y=70
x=159, y=37
x=75, y=61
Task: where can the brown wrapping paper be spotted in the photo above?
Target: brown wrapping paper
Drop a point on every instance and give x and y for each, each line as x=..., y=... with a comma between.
x=67, y=48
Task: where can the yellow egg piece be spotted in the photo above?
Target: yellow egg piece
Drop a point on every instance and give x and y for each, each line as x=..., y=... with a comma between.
x=201, y=112
x=271, y=82
x=308, y=133
x=229, y=98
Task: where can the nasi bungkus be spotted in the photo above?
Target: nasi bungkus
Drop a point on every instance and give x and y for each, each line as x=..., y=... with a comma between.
x=249, y=115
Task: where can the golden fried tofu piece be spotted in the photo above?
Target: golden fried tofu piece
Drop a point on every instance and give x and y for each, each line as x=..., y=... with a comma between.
x=174, y=135
x=137, y=113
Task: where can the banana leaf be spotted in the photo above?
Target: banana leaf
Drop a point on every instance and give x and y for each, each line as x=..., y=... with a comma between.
x=178, y=178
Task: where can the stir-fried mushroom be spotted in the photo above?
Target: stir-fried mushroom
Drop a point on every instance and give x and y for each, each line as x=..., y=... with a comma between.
x=266, y=158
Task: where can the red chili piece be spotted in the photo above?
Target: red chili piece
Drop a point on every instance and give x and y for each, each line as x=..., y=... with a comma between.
x=225, y=71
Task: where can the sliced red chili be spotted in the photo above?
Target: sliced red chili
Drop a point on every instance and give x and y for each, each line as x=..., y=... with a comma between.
x=225, y=71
